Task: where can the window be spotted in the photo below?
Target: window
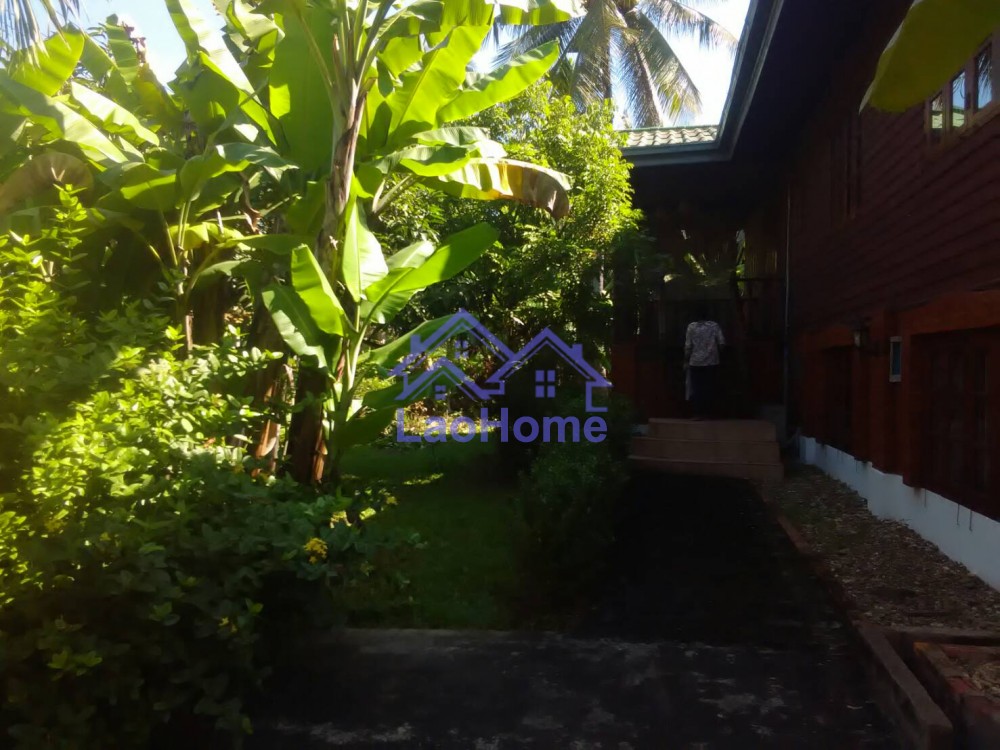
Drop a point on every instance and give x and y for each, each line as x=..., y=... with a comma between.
x=969, y=93
x=937, y=117
x=895, y=359
x=984, y=79
x=958, y=101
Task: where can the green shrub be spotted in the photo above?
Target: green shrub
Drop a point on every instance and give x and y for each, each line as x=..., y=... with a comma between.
x=52, y=355
x=567, y=502
x=619, y=417
x=141, y=550
x=520, y=400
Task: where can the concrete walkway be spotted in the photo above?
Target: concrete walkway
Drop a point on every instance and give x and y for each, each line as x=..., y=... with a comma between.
x=708, y=633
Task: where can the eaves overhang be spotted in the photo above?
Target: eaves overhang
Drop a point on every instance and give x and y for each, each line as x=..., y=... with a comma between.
x=762, y=18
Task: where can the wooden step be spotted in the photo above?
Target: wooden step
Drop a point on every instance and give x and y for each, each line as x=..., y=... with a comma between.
x=726, y=451
x=756, y=430
x=761, y=471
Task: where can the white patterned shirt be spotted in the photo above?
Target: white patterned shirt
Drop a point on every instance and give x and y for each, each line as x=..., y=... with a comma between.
x=702, y=343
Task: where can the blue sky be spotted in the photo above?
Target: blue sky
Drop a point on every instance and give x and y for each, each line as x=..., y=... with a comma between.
x=711, y=70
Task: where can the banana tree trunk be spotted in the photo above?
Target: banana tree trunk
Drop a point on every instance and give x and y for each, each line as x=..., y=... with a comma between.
x=207, y=314
x=306, y=441
x=269, y=387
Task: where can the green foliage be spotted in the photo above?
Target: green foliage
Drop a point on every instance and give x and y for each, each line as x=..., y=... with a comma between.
x=567, y=503
x=622, y=51
x=309, y=119
x=464, y=570
x=396, y=76
x=50, y=354
x=168, y=187
x=142, y=549
x=541, y=274
x=146, y=558
x=19, y=22
x=143, y=554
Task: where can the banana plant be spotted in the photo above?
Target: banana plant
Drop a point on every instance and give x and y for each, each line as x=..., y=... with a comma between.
x=364, y=93
x=338, y=106
x=167, y=174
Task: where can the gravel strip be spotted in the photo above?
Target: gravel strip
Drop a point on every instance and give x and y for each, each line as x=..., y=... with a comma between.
x=894, y=576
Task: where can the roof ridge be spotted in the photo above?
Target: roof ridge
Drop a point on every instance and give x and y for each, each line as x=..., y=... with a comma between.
x=669, y=127
x=672, y=135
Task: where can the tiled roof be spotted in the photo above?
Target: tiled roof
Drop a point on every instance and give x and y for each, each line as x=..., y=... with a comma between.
x=681, y=136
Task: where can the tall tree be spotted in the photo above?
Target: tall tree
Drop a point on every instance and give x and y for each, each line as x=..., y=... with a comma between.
x=540, y=274
x=19, y=23
x=620, y=49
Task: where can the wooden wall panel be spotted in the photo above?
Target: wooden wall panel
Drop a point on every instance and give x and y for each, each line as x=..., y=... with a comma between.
x=928, y=218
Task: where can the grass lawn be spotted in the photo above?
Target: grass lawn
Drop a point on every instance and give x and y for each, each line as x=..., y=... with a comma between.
x=465, y=572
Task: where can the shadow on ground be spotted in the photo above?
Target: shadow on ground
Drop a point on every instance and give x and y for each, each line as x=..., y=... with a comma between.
x=708, y=632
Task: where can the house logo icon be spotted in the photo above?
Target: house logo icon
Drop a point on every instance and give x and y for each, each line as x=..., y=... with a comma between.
x=427, y=376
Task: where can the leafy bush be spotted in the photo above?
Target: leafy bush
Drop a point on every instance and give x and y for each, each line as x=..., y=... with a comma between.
x=567, y=502
x=520, y=401
x=52, y=353
x=141, y=549
x=543, y=274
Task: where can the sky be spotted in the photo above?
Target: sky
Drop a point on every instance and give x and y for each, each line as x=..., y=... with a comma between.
x=710, y=69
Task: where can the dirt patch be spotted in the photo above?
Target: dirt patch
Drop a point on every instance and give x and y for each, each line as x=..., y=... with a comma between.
x=893, y=575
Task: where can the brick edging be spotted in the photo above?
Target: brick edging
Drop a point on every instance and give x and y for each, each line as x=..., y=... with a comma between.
x=918, y=719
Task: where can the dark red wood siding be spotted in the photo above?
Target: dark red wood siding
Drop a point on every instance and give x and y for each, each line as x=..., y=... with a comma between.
x=925, y=218
x=892, y=234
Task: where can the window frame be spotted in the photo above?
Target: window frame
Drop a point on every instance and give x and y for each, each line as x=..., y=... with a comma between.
x=974, y=116
x=895, y=345
x=993, y=46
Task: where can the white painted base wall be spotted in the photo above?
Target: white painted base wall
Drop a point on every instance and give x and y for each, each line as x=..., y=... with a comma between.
x=966, y=537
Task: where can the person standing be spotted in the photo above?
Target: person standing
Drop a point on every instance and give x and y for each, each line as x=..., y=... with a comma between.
x=703, y=343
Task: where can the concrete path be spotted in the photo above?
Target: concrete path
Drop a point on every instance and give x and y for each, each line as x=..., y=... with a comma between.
x=708, y=633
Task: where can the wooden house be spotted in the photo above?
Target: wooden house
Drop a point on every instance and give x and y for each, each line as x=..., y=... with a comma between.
x=871, y=286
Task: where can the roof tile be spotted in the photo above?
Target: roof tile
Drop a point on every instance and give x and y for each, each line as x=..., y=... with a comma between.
x=676, y=136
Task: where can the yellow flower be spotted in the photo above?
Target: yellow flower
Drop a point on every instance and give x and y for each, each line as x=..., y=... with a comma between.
x=225, y=622
x=316, y=549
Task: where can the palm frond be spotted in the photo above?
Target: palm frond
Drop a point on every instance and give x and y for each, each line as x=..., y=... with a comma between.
x=675, y=16
x=592, y=45
x=634, y=79
x=673, y=84
x=521, y=39
x=19, y=19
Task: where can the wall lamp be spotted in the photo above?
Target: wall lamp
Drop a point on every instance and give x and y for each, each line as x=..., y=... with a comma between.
x=862, y=338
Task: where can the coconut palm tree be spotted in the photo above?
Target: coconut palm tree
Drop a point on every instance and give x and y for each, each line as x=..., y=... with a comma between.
x=19, y=22
x=620, y=49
